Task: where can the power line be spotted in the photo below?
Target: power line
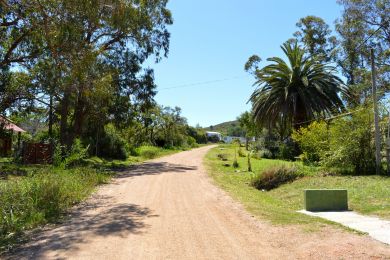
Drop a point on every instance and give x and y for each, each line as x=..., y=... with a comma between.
x=203, y=83
x=238, y=77
x=330, y=118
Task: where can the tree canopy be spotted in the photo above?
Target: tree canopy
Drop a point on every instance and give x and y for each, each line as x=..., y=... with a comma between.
x=295, y=91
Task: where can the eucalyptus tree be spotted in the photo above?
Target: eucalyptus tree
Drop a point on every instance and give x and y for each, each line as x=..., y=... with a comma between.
x=364, y=24
x=83, y=53
x=314, y=33
x=293, y=92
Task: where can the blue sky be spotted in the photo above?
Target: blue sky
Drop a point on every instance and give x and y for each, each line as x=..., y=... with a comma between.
x=210, y=42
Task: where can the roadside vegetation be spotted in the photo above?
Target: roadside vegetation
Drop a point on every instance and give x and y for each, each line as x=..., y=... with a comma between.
x=73, y=77
x=367, y=194
x=35, y=195
x=311, y=124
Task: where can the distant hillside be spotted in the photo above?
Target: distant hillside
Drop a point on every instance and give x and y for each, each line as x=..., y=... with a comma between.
x=231, y=128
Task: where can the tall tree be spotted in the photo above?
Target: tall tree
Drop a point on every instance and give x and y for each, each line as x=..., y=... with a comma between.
x=316, y=36
x=295, y=92
x=364, y=25
x=75, y=51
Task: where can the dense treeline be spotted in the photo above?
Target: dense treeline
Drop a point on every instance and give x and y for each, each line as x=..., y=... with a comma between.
x=77, y=67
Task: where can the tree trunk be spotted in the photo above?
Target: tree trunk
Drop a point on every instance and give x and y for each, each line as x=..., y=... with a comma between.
x=64, y=120
x=79, y=116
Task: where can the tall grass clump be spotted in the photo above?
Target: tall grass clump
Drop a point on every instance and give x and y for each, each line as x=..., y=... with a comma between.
x=148, y=152
x=274, y=177
x=42, y=197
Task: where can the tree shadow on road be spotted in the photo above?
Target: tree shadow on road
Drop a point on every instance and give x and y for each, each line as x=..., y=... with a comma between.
x=84, y=223
x=154, y=168
x=119, y=220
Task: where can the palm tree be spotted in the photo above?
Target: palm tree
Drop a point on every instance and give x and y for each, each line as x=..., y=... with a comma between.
x=294, y=93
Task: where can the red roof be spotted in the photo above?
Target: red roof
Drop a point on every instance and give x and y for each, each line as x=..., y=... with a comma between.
x=10, y=126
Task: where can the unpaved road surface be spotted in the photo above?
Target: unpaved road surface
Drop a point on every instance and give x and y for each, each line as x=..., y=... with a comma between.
x=169, y=209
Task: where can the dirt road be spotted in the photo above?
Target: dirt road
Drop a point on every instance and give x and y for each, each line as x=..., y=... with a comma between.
x=168, y=209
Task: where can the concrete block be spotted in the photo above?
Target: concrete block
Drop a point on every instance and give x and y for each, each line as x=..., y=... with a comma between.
x=326, y=200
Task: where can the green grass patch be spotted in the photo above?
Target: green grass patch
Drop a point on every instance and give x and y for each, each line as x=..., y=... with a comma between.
x=42, y=196
x=150, y=152
x=367, y=194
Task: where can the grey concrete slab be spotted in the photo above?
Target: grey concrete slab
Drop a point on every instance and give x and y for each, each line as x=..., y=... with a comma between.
x=377, y=228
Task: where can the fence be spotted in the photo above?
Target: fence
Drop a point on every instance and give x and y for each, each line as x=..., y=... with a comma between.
x=5, y=146
x=37, y=153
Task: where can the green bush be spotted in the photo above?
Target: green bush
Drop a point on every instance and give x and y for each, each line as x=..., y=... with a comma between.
x=274, y=177
x=287, y=151
x=76, y=155
x=264, y=153
x=148, y=152
x=191, y=142
x=313, y=141
x=346, y=143
x=235, y=163
x=352, y=143
x=241, y=153
x=41, y=197
x=112, y=145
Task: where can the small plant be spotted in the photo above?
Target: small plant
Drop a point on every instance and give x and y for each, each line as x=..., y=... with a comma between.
x=274, y=177
x=222, y=156
x=241, y=153
x=235, y=163
x=249, y=162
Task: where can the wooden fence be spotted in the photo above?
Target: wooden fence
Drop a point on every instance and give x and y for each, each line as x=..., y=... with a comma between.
x=5, y=146
x=37, y=153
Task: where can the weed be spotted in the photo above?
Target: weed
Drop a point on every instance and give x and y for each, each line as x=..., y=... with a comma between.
x=241, y=153
x=274, y=177
x=41, y=197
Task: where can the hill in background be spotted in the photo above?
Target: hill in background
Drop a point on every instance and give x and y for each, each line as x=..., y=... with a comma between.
x=231, y=128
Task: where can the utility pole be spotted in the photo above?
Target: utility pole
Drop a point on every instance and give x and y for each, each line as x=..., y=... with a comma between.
x=376, y=119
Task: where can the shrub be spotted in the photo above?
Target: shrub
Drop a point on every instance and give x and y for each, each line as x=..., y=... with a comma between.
x=241, y=153
x=191, y=142
x=274, y=177
x=213, y=139
x=313, y=141
x=287, y=151
x=222, y=156
x=249, y=162
x=235, y=163
x=148, y=152
x=352, y=143
x=76, y=155
x=263, y=154
x=347, y=143
x=112, y=145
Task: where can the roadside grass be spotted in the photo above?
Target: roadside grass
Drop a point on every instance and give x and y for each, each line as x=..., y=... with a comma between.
x=367, y=194
x=42, y=196
x=34, y=195
x=143, y=153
